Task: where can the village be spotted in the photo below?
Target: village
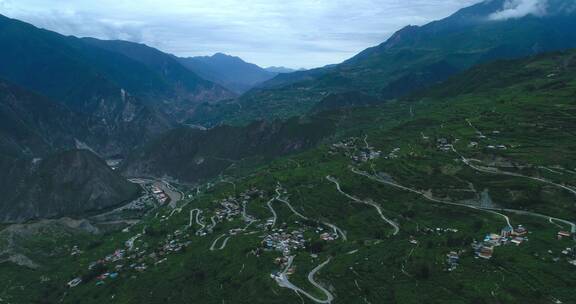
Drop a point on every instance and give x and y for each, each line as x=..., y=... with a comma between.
x=486, y=248
x=139, y=258
x=287, y=240
x=358, y=150
x=508, y=235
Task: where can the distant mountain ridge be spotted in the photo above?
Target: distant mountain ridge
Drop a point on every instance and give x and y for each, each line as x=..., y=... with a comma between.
x=415, y=58
x=98, y=84
x=281, y=70
x=179, y=88
x=129, y=92
x=229, y=71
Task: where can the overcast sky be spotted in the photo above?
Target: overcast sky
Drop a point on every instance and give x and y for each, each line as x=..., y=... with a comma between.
x=292, y=33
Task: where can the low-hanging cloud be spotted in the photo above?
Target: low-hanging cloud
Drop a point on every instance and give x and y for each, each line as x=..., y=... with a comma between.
x=520, y=8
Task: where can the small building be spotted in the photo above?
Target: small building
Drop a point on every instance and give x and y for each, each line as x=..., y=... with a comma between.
x=517, y=240
x=486, y=252
x=520, y=231
x=564, y=234
x=506, y=232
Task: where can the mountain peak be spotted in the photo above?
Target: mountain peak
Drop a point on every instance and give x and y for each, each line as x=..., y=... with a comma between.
x=229, y=71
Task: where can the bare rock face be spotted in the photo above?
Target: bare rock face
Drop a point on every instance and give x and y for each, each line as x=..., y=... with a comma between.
x=71, y=183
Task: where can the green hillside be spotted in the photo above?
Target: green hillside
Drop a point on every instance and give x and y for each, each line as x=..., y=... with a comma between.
x=414, y=58
x=396, y=188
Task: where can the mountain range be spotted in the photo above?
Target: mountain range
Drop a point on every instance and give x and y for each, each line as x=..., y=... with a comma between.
x=370, y=181
x=122, y=99
x=229, y=71
x=377, y=193
x=412, y=59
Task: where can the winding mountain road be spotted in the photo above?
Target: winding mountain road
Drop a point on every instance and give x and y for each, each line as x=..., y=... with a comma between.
x=224, y=243
x=429, y=197
x=274, y=215
x=213, y=246
x=329, y=296
x=197, y=219
x=492, y=170
x=337, y=231
x=378, y=208
x=283, y=281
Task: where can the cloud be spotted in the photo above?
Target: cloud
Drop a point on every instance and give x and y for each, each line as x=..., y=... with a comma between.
x=514, y=9
x=294, y=33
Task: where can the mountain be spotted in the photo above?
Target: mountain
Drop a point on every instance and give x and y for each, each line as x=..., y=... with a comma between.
x=68, y=183
x=191, y=155
x=229, y=71
x=179, y=87
x=109, y=88
x=31, y=125
x=416, y=57
x=401, y=196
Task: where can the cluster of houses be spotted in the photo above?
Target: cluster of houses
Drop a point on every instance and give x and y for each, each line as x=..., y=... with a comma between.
x=393, y=154
x=570, y=252
x=347, y=145
x=366, y=154
x=508, y=235
x=282, y=262
x=229, y=209
x=439, y=230
x=326, y=236
x=159, y=195
x=233, y=206
x=443, y=144
x=283, y=241
x=135, y=258
x=452, y=260
x=356, y=150
x=480, y=135
x=75, y=251
x=497, y=147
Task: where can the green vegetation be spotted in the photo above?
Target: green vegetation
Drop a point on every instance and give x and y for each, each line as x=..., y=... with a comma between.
x=412, y=59
x=435, y=144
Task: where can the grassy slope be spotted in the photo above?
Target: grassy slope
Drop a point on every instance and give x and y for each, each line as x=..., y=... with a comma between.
x=535, y=116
